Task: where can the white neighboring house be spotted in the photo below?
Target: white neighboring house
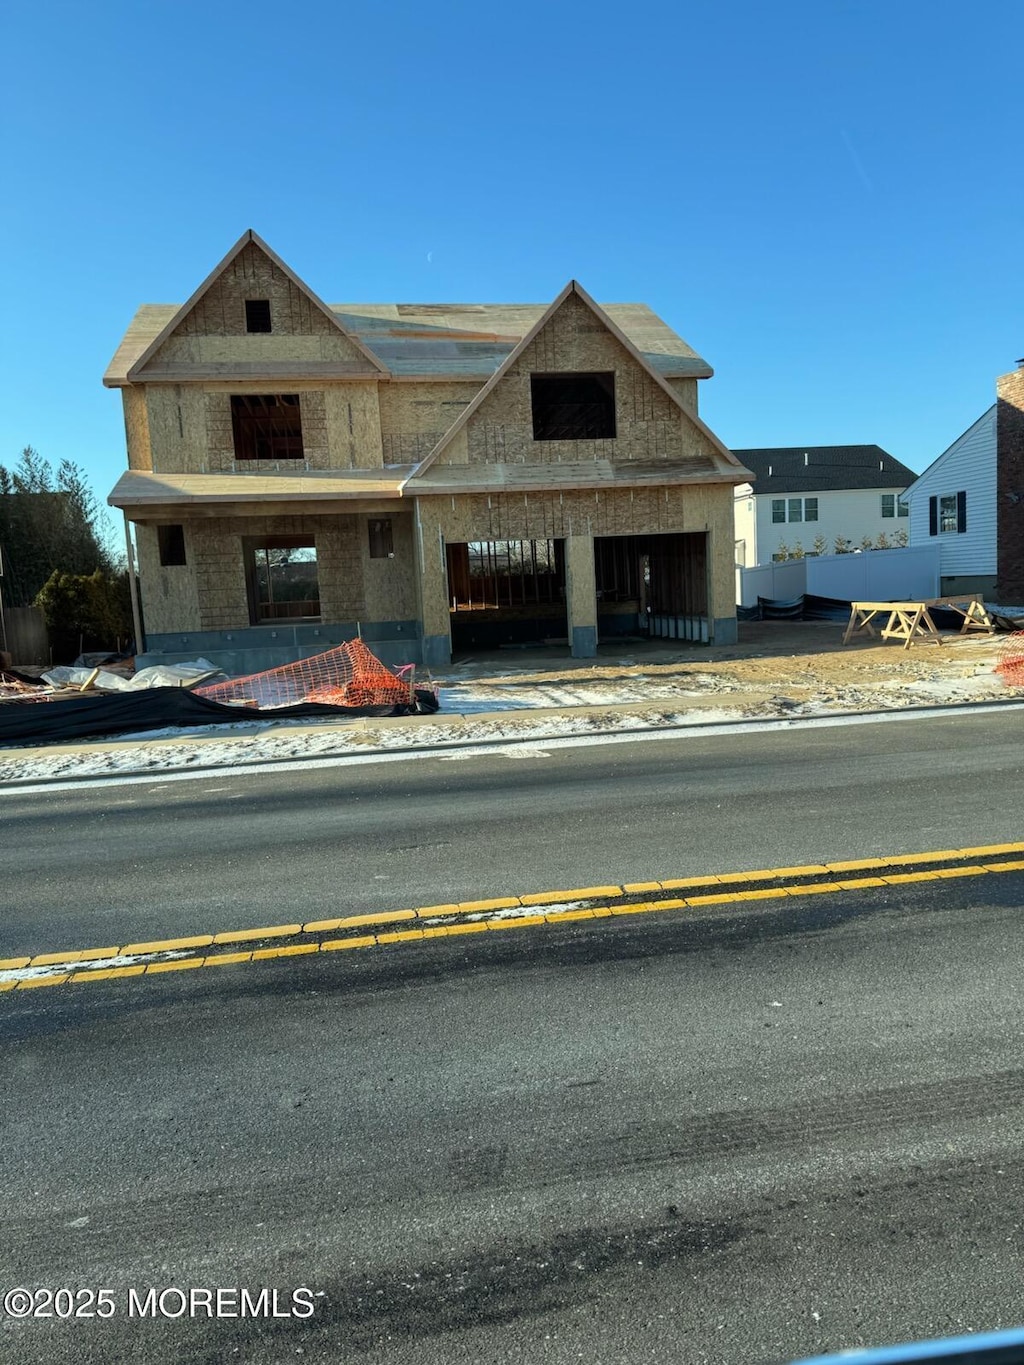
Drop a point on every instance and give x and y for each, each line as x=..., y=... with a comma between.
x=954, y=503
x=838, y=493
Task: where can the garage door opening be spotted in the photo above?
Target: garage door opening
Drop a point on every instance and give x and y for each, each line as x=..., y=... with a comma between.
x=652, y=586
x=506, y=592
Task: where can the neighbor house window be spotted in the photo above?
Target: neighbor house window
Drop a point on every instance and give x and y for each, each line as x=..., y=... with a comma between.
x=798, y=509
x=902, y=508
x=948, y=514
x=888, y=504
x=171, y=541
x=573, y=407
x=283, y=581
x=382, y=545
x=257, y=315
x=267, y=427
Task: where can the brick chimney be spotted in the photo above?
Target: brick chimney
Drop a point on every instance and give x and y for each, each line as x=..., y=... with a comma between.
x=1010, y=485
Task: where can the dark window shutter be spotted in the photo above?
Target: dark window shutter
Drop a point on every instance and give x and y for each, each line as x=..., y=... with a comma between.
x=933, y=516
x=961, y=512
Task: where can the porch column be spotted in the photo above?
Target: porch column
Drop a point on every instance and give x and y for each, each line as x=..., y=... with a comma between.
x=581, y=596
x=432, y=583
x=721, y=576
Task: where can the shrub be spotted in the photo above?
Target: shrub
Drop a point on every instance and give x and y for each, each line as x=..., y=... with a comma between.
x=85, y=611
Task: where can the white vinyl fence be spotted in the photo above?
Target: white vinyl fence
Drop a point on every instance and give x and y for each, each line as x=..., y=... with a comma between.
x=863, y=576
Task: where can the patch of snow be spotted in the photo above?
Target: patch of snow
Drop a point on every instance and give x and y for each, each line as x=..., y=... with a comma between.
x=99, y=964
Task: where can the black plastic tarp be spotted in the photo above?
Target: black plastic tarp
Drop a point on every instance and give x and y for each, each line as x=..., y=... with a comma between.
x=41, y=722
x=807, y=607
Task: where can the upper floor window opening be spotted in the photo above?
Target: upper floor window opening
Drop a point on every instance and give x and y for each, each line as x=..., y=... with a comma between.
x=573, y=407
x=267, y=426
x=257, y=315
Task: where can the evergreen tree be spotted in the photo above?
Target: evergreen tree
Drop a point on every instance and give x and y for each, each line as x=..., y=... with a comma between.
x=49, y=522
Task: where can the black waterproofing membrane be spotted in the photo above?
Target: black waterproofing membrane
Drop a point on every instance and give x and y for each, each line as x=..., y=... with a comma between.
x=812, y=608
x=808, y=607
x=158, y=708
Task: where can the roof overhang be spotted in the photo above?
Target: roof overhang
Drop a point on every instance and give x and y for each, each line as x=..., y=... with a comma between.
x=138, y=490
x=453, y=480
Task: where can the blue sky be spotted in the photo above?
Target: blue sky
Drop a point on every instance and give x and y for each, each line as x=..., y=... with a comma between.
x=825, y=199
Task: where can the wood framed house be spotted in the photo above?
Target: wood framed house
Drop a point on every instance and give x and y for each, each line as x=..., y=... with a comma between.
x=435, y=477
x=823, y=494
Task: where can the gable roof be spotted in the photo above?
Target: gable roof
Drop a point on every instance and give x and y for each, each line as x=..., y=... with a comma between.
x=439, y=340
x=950, y=452
x=811, y=469
x=454, y=340
x=573, y=288
x=247, y=238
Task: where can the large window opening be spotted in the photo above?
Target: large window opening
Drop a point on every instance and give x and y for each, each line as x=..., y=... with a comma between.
x=504, y=592
x=267, y=426
x=652, y=586
x=573, y=407
x=283, y=580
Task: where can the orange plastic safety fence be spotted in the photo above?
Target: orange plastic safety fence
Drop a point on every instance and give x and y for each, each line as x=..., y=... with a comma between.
x=348, y=675
x=1011, y=663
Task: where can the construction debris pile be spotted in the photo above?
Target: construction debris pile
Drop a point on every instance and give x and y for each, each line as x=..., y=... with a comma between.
x=99, y=700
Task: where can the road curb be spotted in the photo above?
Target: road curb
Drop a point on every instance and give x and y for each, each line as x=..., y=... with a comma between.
x=829, y=718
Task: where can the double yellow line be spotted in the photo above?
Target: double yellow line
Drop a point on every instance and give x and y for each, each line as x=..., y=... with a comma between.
x=498, y=913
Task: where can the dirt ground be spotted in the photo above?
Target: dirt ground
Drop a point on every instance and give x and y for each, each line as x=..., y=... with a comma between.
x=799, y=664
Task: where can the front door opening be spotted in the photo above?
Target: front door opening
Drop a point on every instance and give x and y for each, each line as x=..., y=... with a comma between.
x=504, y=592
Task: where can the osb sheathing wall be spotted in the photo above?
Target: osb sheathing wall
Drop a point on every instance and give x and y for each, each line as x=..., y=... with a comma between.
x=177, y=428
x=136, y=428
x=190, y=429
x=686, y=390
x=353, y=426
x=414, y=417
x=214, y=329
x=170, y=594
x=220, y=562
x=649, y=426
x=389, y=585
x=353, y=587
x=587, y=513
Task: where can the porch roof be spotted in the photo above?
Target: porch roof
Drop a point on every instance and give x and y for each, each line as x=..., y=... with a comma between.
x=142, y=489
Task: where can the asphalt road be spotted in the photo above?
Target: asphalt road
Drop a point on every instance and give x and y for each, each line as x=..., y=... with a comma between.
x=97, y=867
x=734, y=1136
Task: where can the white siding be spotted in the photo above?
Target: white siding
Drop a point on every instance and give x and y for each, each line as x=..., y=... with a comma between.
x=969, y=465
x=745, y=527
x=848, y=512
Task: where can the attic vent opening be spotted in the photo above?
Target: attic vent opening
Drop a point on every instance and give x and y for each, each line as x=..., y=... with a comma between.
x=257, y=315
